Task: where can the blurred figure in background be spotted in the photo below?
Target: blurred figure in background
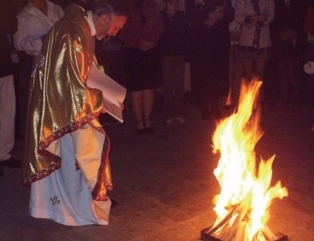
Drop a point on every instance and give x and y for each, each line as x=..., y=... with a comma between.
x=142, y=62
x=8, y=26
x=173, y=47
x=235, y=71
x=161, y=4
x=309, y=53
x=309, y=22
x=289, y=44
x=210, y=49
x=255, y=47
x=309, y=31
x=34, y=22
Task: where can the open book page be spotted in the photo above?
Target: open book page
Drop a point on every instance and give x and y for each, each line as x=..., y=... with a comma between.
x=113, y=93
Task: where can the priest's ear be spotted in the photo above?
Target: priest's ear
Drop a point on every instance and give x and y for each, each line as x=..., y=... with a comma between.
x=108, y=24
x=101, y=19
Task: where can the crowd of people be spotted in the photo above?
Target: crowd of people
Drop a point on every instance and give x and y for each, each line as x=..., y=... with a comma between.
x=48, y=49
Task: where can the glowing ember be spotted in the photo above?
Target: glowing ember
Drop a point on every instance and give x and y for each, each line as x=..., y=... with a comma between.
x=241, y=207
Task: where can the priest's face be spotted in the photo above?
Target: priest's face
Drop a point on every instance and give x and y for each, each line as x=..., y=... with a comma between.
x=106, y=25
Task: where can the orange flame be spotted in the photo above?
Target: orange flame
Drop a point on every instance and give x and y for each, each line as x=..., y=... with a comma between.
x=245, y=186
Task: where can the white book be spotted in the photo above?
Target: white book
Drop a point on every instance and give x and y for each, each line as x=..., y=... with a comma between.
x=113, y=93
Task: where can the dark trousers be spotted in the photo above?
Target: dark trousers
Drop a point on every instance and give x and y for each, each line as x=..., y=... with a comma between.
x=173, y=79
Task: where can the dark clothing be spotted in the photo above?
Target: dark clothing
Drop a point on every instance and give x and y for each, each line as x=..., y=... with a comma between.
x=142, y=69
x=65, y=4
x=286, y=18
x=144, y=23
x=210, y=47
x=288, y=49
x=174, y=39
x=8, y=26
x=111, y=56
x=309, y=20
x=6, y=66
x=173, y=79
x=309, y=54
x=173, y=47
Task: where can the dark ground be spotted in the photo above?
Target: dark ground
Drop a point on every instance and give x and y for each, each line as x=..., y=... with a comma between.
x=164, y=182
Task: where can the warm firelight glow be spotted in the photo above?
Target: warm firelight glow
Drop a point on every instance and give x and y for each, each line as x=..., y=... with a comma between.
x=241, y=207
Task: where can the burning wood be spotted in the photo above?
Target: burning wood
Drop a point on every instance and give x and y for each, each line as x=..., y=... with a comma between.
x=264, y=235
x=241, y=207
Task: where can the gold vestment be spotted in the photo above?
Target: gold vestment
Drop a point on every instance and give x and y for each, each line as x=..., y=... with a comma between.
x=59, y=100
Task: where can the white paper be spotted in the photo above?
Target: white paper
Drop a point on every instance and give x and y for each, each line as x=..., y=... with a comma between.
x=113, y=93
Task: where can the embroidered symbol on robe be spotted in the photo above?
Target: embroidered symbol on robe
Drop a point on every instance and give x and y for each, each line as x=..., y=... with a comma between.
x=54, y=200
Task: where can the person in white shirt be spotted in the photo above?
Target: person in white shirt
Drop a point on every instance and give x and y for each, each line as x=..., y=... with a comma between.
x=34, y=22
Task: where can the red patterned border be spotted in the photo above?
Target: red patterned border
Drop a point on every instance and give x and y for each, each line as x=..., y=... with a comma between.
x=56, y=160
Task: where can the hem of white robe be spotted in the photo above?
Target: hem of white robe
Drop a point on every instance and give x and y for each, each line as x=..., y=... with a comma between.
x=85, y=212
x=69, y=220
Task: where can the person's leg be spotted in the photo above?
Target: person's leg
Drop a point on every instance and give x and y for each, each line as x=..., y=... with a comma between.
x=7, y=116
x=284, y=85
x=178, y=78
x=294, y=83
x=167, y=75
x=238, y=77
x=25, y=70
x=259, y=70
x=136, y=100
x=148, y=103
x=247, y=68
x=235, y=76
x=197, y=62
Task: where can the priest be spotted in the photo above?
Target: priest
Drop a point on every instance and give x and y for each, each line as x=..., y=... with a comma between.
x=66, y=150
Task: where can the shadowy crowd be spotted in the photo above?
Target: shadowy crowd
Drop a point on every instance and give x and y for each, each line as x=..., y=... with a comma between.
x=188, y=50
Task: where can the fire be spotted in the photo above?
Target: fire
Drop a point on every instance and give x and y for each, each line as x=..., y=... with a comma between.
x=241, y=207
